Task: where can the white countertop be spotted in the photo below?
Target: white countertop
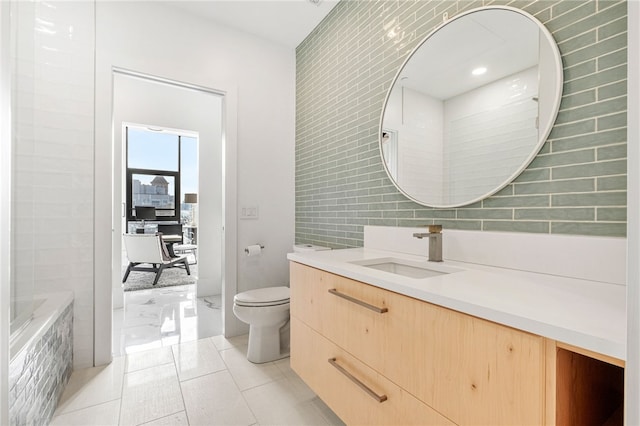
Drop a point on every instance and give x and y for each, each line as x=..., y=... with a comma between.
x=586, y=314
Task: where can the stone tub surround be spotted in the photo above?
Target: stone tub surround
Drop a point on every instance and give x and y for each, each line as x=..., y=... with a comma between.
x=587, y=314
x=41, y=361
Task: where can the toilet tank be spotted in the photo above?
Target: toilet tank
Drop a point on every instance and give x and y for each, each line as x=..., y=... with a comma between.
x=299, y=248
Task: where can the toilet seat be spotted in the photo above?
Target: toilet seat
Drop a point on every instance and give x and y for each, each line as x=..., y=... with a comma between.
x=270, y=296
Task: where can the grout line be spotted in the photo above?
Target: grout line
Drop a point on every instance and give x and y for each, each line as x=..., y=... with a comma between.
x=124, y=373
x=86, y=406
x=168, y=415
x=184, y=402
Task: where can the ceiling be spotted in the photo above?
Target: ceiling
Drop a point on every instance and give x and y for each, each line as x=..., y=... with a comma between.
x=502, y=40
x=287, y=22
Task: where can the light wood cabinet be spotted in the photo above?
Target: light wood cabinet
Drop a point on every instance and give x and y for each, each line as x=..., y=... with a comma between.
x=584, y=388
x=468, y=370
x=353, y=390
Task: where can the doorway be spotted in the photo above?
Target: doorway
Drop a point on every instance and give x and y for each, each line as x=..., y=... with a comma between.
x=170, y=108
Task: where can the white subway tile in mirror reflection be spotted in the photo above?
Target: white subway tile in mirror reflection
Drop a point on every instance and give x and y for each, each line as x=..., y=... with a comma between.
x=207, y=381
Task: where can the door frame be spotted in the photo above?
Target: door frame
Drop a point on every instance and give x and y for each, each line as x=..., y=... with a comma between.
x=106, y=206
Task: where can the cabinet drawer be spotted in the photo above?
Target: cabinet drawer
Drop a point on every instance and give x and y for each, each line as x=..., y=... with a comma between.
x=355, y=400
x=345, y=311
x=471, y=370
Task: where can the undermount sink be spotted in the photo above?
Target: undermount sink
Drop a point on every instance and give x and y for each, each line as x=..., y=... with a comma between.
x=406, y=268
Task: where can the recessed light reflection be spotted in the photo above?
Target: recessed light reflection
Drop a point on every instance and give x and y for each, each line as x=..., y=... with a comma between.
x=479, y=71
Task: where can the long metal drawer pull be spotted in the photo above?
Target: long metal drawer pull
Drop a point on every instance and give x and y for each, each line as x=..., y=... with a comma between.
x=379, y=398
x=358, y=302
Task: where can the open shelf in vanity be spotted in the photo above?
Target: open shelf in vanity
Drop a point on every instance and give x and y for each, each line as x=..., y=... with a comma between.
x=589, y=388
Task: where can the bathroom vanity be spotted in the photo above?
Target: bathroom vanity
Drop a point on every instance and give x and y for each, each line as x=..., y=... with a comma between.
x=467, y=345
x=510, y=329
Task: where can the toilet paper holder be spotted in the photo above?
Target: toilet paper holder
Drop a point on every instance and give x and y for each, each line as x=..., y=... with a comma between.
x=246, y=249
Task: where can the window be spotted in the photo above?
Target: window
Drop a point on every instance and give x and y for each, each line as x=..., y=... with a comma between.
x=152, y=150
x=156, y=163
x=188, y=174
x=154, y=189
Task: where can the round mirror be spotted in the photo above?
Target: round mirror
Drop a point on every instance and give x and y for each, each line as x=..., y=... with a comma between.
x=471, y=107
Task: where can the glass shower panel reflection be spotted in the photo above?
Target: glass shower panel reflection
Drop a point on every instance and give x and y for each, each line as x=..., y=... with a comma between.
x=24, y=31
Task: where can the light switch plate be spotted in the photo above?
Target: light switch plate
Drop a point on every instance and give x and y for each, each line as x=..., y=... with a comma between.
x=249, y=212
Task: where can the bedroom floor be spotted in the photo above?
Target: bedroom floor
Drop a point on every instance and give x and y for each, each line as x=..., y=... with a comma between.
x=164, y=316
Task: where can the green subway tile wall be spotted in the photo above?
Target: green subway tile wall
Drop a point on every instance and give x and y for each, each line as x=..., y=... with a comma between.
x=576, y=184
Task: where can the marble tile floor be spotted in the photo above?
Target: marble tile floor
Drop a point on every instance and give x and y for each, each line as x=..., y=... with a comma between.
x=207, y=381
x=162, y=317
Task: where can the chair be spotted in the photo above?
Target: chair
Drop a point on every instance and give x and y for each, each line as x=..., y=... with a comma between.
x=187, y=248
x=171, y=229
x=150, y=249
x=171, y=233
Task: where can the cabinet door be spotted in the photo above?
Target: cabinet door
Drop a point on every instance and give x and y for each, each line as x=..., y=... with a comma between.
x=470, y=370
x=355, y=392
x=355, y=324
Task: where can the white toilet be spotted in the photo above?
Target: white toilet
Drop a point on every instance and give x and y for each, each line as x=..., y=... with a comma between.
x=266, y=310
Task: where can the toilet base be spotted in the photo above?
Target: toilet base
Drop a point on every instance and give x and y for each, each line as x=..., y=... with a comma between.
x=268, y=344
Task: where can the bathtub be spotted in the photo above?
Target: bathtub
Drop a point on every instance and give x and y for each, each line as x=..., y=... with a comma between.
x=41, y=357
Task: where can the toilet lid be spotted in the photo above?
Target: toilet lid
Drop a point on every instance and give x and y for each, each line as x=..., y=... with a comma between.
x=263, y=297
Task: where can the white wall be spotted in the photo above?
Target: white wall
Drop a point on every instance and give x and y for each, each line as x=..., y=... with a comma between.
x=5, y=203
x=424, y=123
x=489, y=132
x=144, y=102
x=154, y=39
x=418, y=119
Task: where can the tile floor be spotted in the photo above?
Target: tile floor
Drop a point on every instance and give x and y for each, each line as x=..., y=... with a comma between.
x=172, y=366
x=163, y=317
x=201, y=382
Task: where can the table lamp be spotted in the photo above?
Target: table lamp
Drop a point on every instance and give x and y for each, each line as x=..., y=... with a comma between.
x=191, y=198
